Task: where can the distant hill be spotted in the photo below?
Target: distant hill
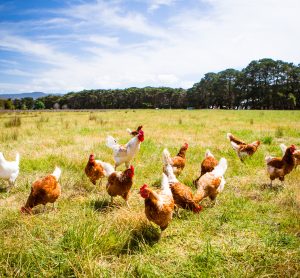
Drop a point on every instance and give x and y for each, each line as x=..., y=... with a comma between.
x=33, y=95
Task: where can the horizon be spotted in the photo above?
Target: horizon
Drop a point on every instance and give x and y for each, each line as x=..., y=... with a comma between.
x=64, y=46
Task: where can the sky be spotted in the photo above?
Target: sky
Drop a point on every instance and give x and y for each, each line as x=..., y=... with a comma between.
x=59, y=46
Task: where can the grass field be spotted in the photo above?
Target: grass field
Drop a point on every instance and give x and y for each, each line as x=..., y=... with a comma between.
x=252, y=231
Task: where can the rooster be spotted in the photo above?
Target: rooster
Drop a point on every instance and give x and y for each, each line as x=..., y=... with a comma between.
x=118, y=183
x=211, y=183
x=43, y=191
x=243, y=149
x=182, y=194
x=158, y=206
x=296, y=154
x=279, y=167
x=208, y=164
x=177, y=162
x=9, y=170
x=94, y=170
x=124, y=154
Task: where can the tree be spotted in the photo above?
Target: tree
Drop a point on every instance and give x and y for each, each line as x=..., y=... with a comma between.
x=39, y=105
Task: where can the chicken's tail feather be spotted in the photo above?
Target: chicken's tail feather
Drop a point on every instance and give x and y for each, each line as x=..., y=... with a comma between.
x=283, y=148
x=208, y=153
x=111, y=142
x=170, y=173
x=229, y=136
x=221, y=168
x=165, y=187
x=268, y=158
x=108, y=168
x=56, y=173
x=234, y=145
x=166, y=157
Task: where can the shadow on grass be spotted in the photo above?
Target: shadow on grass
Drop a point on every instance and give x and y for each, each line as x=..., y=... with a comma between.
x=103, y=205
x=156, y=183
x=142, y=236
x=274, y=187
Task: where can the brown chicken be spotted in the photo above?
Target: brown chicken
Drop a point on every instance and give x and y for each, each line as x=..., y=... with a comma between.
x=94, y=170
x=243, y=149
x=43, y=191
x=211, y=183
x=279, y=167
x=182, y=194
x=158, y=206
x=120, y=183
x=207, y=165
x=177, y=162
x=296, y=154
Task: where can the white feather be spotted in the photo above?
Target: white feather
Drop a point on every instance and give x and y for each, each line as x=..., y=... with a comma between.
x=165, y=187
x=167, y=157
x=108, y=168
x=56, y=173
x=208, y=153
x=283, y=148
x=9, y=170
x=221, y=168
x=170, y=173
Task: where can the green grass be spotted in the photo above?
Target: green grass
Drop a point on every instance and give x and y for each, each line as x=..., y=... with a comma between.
x=252, y=231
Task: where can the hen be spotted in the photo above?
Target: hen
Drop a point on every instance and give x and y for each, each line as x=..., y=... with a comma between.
x=158, y=206
x=207, y=165
x=296, y=154
x=279, y=167
x=177, y=162
x=211, y=183
x=118, y=183
x=124, y=154
x=43, y=191
x=94, y=170
x=182, y=194
x=243, y=149
x=9, y=170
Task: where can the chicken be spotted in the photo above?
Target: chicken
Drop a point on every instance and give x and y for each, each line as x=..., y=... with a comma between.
x=243, y=149
x=177, y=162
x=118, y=183
x=9, y=170
x=207, y=165
x=182, y=194
x=211, y=183
x=94, y=170
x=124, y=154
x=279, y=167
x=43, y=191
x=296, y=154
x=158, y=206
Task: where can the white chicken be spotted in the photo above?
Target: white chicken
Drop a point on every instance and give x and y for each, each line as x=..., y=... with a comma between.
x=124, y=154
x=9, y=170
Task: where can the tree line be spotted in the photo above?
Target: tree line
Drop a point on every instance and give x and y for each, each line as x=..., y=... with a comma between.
x=263, y=84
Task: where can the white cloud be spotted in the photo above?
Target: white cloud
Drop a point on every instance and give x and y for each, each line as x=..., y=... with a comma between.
x=194, y=41
x=156, y=4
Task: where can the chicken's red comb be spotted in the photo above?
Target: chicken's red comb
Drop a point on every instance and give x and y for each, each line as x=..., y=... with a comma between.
x=143, y=187
x=197, y=209
x=91, y=155
x=186, y=145
x=132, y=169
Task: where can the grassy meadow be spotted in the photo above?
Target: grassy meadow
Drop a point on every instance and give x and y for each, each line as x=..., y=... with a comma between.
x=252, y=231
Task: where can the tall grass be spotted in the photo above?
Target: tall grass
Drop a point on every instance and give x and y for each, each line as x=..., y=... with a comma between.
x=252, y=231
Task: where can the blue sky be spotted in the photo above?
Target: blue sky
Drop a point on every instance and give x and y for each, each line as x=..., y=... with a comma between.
x=57, y=46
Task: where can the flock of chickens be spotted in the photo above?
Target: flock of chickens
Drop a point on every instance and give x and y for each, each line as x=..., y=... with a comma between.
x=159, y=206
